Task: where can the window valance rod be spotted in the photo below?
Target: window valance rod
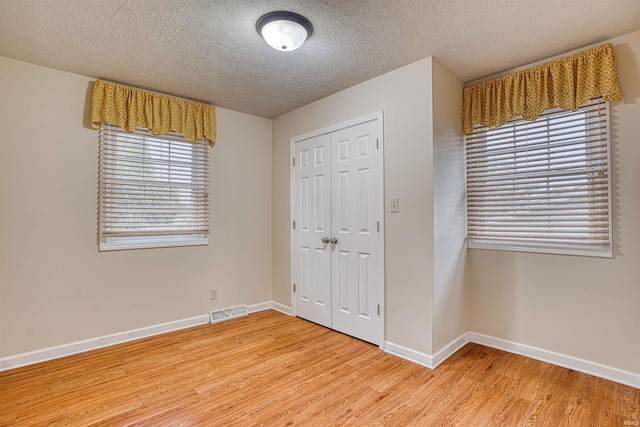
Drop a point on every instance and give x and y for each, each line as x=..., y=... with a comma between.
x=128, y=108
x=566, y=83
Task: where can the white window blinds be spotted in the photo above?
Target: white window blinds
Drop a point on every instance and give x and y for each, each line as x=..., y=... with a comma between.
x=542, y=183
x=152, y=187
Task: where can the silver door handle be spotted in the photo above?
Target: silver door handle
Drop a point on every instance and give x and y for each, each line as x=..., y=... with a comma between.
x=333, y=241
x=325, y=240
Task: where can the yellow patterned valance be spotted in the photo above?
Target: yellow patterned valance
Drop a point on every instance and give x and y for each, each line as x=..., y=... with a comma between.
x=130, y=108
x=566, y=83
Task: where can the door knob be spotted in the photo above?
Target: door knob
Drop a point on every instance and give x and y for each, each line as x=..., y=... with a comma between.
x=325, y=240
x=333, y=241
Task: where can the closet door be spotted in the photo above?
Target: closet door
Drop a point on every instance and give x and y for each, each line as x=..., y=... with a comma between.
x=337, y=252
x=356, y=285
x=311, y=252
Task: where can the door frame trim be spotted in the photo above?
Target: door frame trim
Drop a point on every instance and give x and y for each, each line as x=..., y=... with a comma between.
x=378, y=116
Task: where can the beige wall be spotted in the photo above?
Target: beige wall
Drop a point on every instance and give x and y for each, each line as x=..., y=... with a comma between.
x=584, y=307
x=450, y=290
x=55, y=287
x=404, y=95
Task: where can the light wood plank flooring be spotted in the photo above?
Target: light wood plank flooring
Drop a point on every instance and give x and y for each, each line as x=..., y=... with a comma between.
x=272, y=369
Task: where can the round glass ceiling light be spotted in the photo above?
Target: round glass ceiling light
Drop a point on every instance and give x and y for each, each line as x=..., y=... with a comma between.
x=285, y=31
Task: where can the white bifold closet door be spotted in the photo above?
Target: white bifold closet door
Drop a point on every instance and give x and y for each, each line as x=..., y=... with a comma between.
x=337, y=244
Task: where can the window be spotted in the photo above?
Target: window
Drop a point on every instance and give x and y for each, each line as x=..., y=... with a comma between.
x=542, y=185
x=154, y=190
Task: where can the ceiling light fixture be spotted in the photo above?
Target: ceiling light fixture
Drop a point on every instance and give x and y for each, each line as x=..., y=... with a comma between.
x=284, y=31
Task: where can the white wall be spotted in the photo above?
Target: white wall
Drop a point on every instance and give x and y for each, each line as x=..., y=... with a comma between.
x=55, y=287
x=450, y=290
x=584, y=307
x=404, y=95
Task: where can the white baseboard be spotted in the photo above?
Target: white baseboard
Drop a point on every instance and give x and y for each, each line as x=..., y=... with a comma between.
x=427, y=360
x=254, y=308
x=566, y=361
x=409, y=354
x=56, y=352
x=281, y=308
x=269, y=305
x=450, y=348
x=37, y=356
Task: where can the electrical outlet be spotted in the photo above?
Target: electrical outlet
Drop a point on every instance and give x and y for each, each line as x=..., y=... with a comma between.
x=213, y=293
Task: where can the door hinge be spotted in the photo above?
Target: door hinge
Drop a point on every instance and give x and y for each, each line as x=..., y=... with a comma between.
x=294, y=225
x=377, y=141
x=294, y=161
x=378, y=226
x=294, y=287
x=378, y=309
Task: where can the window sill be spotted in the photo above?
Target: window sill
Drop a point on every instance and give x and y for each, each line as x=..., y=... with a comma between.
x=124, y=243
x=598, y=252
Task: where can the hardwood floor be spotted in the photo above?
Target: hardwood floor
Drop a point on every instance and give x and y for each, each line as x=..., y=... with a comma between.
x=272, y=369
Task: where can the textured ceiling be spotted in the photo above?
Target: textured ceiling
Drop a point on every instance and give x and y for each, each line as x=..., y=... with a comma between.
x=209, y=50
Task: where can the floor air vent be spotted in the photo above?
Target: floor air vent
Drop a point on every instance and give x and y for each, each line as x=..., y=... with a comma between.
x=228, y=313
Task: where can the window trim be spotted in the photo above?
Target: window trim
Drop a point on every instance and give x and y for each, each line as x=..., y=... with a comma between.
x=148, y=242
x=556, y=248
x=540, y=248
x=116, y=243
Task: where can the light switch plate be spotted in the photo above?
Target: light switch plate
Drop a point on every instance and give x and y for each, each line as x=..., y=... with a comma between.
x=395, y=205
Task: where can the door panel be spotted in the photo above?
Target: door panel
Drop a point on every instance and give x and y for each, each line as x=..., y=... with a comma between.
x=356, y=204
x=336, y=195
x=311, y=258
